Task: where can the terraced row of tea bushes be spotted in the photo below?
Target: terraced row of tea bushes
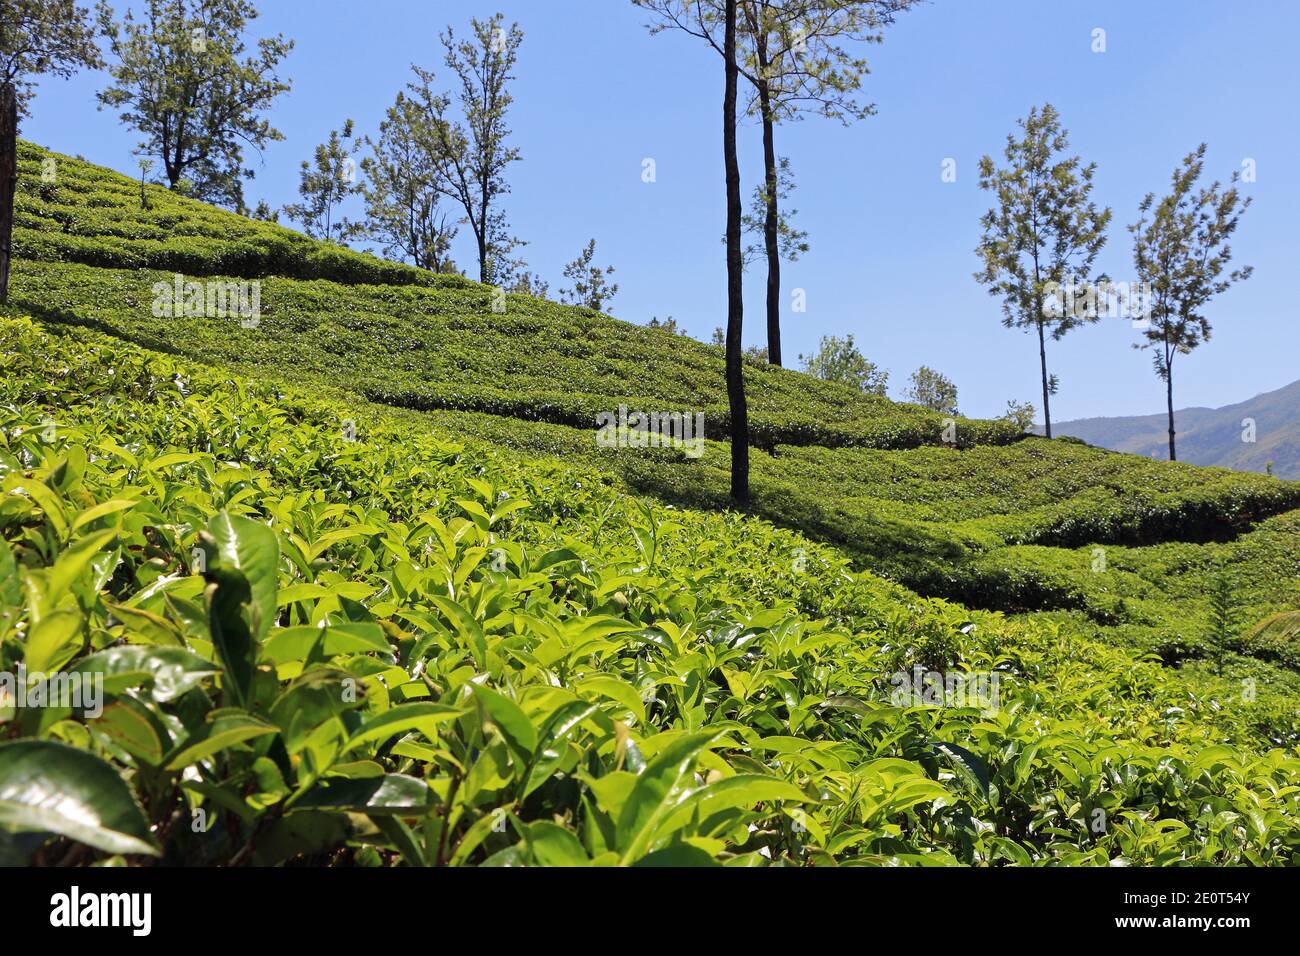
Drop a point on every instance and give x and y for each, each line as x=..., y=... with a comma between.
x=340, y=654
x=1054, y=493
x=879, y=520
x=90, y=215
x=421, y=351
x=1164, y=584
x=1032, y=492
x=428, y=349
x=1259, y=570
x=968, y=561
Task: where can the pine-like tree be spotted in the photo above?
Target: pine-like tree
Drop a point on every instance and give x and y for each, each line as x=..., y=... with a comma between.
x=325, y=183
x=591, y=286
x=1224, y=618
x=1181, y=252
x=1044, y=232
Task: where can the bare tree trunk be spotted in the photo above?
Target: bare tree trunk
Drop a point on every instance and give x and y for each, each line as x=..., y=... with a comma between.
x=8, y=181
x=1169, y=400
x=771, y=238
x=1042, y=358
x=772, y=220
x=735, y=269
x=481, y=233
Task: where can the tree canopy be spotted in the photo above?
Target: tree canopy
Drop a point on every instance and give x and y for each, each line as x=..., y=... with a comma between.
x=182, y=79
x=54, y=37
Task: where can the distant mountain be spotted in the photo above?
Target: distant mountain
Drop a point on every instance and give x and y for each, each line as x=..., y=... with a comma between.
x=1209, y=436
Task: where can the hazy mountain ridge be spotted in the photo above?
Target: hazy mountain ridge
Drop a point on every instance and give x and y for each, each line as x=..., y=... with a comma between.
x=1209, y=436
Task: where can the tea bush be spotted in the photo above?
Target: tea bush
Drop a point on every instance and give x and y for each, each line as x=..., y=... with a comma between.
x=338, y=653
x=424, y=349
x=93, y=216
x=362, y=590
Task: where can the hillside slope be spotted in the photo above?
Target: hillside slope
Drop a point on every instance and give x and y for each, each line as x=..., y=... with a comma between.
x=932, y=518
x=1210, y=436
x=400, y=335
x=365, y=584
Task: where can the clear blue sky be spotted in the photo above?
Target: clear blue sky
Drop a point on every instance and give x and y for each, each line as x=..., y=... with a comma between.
x=891, y=257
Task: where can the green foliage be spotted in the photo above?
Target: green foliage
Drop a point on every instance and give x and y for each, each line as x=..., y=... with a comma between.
x=1223, y=621
x=1284, y=626
x=451, y=676
x=51, y=787
x=1044, y=233
x=1020, y=414
x=755, y=354
x=807, y=52
x=838, y=360
x=472, y=154
x=359, y=588
x=55, y=37
x=444, y=348
x=182, y=81
x=1181, y=253
x=325, y=183
x=932, y=390
x=591, y=286
x=791, y=242
x=94, y=217
x=1045, y=228
x=404, y=189
x=1275, y=638
x=668, y=325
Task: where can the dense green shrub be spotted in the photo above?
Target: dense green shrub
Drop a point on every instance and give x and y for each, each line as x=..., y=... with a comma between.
x=558, y=653
x=422, y=349
x=92, y=216
x=544, y=671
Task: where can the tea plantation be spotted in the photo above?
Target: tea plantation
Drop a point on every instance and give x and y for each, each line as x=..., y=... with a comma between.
x=363, y=591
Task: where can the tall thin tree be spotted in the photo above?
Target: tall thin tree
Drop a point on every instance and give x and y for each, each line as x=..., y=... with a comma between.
x=706, y=19
x=1181, y=253
x=1044, y=232
x=735, y=272
x=8, y=181
x=473, y=157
